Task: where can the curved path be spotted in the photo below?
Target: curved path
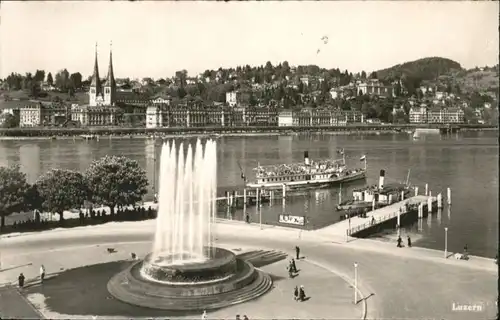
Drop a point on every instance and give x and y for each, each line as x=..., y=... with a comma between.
x=407, y=283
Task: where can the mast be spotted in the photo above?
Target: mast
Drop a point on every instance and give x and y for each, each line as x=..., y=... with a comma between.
x=408, y=177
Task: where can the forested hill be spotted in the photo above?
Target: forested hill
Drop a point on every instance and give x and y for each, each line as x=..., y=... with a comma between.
x=421, y=69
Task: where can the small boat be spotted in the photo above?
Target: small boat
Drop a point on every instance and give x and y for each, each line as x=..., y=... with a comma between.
x=379, y=195
x=88, y=137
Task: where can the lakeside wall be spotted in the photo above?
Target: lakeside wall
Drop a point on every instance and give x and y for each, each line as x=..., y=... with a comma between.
x=50, y=132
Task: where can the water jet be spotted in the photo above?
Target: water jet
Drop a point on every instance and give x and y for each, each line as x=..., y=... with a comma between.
x=185, y=270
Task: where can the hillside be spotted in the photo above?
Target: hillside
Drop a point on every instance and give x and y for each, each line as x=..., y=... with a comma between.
x=22, y=95
x=422, y=69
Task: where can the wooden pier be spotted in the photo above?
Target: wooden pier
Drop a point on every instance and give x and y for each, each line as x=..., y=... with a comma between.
x=395, y=211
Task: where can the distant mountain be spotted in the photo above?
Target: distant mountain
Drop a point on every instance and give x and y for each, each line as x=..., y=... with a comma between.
x=422, y=69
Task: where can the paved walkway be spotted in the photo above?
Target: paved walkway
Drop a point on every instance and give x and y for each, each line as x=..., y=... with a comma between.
x=406, y=282
x=331, y=297
x=13, y=305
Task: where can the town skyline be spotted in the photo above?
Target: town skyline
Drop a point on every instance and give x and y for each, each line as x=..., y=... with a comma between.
x=144, y=48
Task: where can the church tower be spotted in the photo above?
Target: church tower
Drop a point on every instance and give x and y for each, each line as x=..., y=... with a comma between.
x=95, y=84
x=110, y=84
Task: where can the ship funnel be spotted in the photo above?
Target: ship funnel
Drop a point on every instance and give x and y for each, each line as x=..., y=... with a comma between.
x=381, y=179
x=306, y=157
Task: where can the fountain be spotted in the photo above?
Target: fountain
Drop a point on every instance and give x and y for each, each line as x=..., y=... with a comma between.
x=185, y=270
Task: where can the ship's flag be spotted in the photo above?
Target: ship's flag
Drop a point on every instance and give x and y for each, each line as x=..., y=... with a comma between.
x=363, y=157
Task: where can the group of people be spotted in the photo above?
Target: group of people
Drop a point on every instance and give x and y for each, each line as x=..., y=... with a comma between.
x=400, y=241
x=30, y=224
x=91, y=216
x=298, y=293
x=21, y=279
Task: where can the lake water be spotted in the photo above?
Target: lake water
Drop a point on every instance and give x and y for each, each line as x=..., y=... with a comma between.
x=466, y=162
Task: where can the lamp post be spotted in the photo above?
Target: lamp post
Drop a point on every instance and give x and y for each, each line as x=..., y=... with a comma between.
x=259, y=205
x=446, y=242
x=154, y=174
x=355, y=282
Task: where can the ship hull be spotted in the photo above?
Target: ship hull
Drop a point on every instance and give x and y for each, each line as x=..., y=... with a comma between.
x=311, y=184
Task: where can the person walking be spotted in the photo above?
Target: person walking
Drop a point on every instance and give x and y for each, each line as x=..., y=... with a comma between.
x=294, y=266
x=409, y=242
x=296, y=293
x=42, y=273
x=20, y=280
x=302, y=293
x=204, y=315
x=297, y=252
x=399, y=242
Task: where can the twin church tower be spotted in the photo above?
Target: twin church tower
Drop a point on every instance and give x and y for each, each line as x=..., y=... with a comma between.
x=102, y=93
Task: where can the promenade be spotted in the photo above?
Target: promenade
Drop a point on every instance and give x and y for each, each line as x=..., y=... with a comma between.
x=396, y=283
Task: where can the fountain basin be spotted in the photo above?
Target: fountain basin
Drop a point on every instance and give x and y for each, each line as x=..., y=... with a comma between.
x=220, y=264
x=245, y=283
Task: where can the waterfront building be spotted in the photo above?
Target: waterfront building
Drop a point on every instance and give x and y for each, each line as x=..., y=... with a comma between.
x=423, y=114
x=43, y=114
x=319, y=117
x=285, y=119
x=93, y=116
x=418, y=114
x=445, y=115
x=165, y=115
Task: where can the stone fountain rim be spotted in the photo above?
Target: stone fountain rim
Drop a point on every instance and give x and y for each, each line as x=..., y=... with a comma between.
x=221, y=258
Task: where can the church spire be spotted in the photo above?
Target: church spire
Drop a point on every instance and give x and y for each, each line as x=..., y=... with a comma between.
x=110, y=80
x=96, y=81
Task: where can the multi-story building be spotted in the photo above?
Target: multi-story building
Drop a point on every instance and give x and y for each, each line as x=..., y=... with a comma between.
x=96, y=116
x=318, y=117
x=233, y=98
x=374, y=87
x=40, y=114
x=418, y=114
x=285, y=119
x=423, y=114
x=219, y=116
x=31, y=115
x=445, y=115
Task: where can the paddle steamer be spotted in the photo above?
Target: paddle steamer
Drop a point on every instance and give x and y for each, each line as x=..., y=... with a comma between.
x=309, y=174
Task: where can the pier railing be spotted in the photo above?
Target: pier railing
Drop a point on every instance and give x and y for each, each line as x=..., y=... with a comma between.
x=379, y=220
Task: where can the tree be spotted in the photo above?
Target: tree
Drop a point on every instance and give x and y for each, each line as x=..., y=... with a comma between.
x=35, y=89
x=13, y=188
x=62, y=80
x=39, y=75
x=50, y=80
x=62, y=190
x=373, y=75
x=116, y=181
x=9, y=120
x=27, y=81
x=363, y=74
x=76, y=80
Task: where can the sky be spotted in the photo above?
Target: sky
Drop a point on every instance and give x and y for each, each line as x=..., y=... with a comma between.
x=155, y=39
